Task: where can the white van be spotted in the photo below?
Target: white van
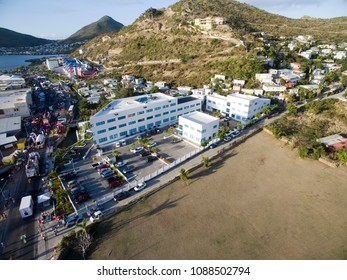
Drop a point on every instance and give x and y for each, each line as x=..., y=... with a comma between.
x=26, y=206
x=121, y=143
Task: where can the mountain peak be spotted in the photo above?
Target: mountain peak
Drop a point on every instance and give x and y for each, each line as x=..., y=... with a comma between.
x=104, y=25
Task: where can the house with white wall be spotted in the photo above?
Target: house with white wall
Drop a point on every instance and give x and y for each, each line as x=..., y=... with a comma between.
x=15, y=103
x=240, y=107
x=198, y=127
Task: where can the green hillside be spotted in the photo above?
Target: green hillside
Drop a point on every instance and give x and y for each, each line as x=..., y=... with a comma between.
x=9, y=38
x=104, y=25
x=166, y=45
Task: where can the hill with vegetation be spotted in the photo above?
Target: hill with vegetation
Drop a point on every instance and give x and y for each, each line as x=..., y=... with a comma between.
x=104, y=25
x=165, y=44
x=302, y=128
x=9, y=38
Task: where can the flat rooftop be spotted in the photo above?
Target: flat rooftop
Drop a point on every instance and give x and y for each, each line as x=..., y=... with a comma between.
x=186, y=99
x=10, y=124
x=134, y=102
x=243, y=96
x=332, y=139
x=200, y=118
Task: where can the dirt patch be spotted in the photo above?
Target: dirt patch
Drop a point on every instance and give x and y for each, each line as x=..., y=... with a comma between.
x=260, y=201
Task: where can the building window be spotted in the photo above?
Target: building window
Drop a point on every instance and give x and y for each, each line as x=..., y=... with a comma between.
x=158, y=123
x=197, y=104
x=191, y=106
x=124, y=133
x=141, y=112
x=173, y=118
x=215, y=126
x=179, y=109
x=157, y=108
x=142, y=128
x=102, y=140
x=204, y=131
x=173, y=111
x=165, y=120
x=114, y=136
x=140, y=120
x=131, y=115
x=166, y=113
x=165, y=106
x=149, y=110
x=228, y=104
x=149, y=126
x=132, y=122
x=132, y=131
x=112, y=128
x=111, y=120
x=122, y=125
x=158, y=115
x=186, y=107
x=101, y=131
x=100, y=123
x=121, y=118
x=173, y=104
x=150, y=117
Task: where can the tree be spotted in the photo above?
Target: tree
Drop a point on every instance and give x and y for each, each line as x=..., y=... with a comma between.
x=223, y=130
x=292, y=109
x=205, y=161
x=83, y=238
x=145, y=141
x=117, y=154
x=266, y=110
x=342, y=156
x=184, y=175
x=257, y=115
x=154, y=89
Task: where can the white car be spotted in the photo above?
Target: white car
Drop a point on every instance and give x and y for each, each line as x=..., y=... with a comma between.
x=140, y=187
x=136, y=150
x=96, y=216
x=227, y=139
x=121, y=164
x=152, y=144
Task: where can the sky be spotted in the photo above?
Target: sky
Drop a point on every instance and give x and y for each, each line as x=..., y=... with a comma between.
x=58, y=19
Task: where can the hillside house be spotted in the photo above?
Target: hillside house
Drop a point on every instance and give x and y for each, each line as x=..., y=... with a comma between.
x=209, y=22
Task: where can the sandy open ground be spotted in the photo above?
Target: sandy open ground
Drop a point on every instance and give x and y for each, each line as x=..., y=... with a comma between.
x=259, y=202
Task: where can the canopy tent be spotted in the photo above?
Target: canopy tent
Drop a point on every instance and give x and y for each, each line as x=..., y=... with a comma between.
x=44, y=199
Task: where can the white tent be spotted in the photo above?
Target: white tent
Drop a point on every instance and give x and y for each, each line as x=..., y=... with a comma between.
x=44, y=199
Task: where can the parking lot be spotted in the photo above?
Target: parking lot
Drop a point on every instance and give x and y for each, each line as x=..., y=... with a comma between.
x=97, y=186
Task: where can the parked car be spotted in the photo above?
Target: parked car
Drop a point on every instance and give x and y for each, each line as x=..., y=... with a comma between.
x=96, y=216
x=145, y=153
x=235, y=133
x=121, y=196
x=81, y=198
x=77, y=190
x=121, y=164
x=72, y=184
x=136, y=150
x=151, y=158
x=68, y=176
x=152, y=144
x=102, y=166
x=107, y=173
x=120, y=143
x=115, y=184
x=140, y=186
x=96, y=164
x=227, y=139
x=213, y=145
x=73, y=220
x=128, y=169
x=176, y=140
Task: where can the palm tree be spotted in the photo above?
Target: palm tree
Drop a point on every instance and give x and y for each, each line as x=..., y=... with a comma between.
x=184, y=175
x=83, y=226
x=83, y=238
x=117, y=154
x=205, y=161
x=145, y=141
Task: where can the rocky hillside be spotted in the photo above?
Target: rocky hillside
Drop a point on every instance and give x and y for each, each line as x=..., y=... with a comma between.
x=168, y=44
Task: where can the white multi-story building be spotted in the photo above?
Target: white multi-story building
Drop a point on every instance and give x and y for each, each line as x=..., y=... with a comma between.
x=52, y=63
x=11, y=82
x=238, y=106
x=129, y=116
x=15, y=103
x=198, y=127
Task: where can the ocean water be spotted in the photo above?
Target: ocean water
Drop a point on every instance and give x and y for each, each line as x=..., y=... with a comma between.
x=8, y=62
